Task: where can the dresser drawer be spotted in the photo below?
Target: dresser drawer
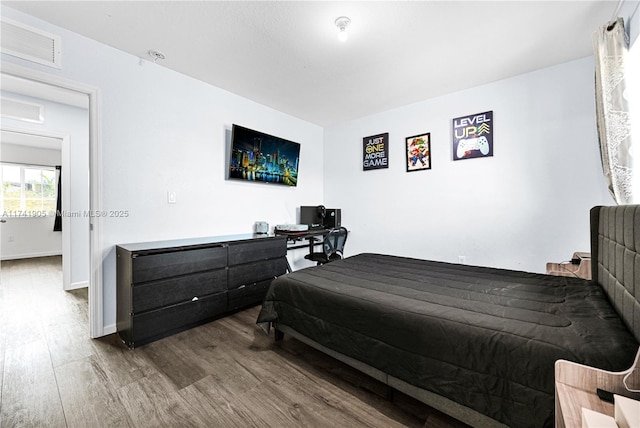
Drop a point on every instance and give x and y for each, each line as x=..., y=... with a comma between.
x=249, y=295
x=260, y=249
x=251, y=273
x=155, y=294
x=164, y=265
x=169, y=320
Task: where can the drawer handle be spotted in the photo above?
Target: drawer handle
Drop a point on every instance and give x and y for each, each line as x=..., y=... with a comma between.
x=194, y=299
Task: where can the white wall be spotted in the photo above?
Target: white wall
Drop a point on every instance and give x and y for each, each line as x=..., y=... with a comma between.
x=62, y=119
x=631, y=14
x=526, y=205
x=32, y=236
x=162, y=131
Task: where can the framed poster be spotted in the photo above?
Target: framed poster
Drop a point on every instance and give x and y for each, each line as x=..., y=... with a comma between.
x=418, y=152
x=375, y=152
x=473, y=136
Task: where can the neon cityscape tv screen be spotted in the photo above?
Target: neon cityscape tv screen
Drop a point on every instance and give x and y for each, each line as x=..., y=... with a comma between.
x=256, y=156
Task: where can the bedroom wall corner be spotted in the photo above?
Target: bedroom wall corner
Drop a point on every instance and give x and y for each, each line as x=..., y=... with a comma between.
x=526, y=205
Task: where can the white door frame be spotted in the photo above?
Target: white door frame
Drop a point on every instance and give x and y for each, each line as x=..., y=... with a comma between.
x=96, y=297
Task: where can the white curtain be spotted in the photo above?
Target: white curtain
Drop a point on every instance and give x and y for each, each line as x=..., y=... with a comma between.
x=612, y=111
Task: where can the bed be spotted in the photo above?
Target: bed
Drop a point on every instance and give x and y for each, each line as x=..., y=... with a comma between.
x=475, y=342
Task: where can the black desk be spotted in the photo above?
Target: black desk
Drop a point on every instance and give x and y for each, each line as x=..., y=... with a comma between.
x=314, y=236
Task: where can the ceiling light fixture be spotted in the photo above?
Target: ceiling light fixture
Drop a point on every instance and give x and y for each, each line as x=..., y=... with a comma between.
x=156, y=55
x=342, y=23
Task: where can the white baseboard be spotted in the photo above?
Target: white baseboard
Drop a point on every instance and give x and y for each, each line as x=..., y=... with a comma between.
x=76, y=285
x=109, y=329
x=30, y=255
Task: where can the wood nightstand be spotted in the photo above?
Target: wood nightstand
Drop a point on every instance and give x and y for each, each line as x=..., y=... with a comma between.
x=576, y=386
x=581, y=270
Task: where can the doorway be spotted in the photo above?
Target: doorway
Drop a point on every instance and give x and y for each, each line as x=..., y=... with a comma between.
x=35, y=236
x=42, y=85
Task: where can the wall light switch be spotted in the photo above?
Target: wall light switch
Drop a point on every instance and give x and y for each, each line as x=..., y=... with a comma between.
x=171, y=197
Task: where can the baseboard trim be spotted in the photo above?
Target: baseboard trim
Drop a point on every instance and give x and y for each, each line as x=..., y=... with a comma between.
x=76, y=285
x=109, y=329
x=30, y=255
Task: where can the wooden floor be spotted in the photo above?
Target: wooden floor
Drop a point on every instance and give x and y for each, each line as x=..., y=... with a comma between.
x=223, y=374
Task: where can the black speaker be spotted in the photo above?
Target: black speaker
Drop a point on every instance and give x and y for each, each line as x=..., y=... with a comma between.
x=333, y=218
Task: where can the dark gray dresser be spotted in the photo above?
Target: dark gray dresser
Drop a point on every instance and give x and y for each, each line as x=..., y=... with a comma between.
x=169, y=286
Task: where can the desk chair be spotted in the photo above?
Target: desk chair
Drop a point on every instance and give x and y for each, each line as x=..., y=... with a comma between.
x=332, y=247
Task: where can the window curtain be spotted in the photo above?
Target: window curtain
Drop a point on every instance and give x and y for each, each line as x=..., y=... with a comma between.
x=57, y=224
x=611, y=46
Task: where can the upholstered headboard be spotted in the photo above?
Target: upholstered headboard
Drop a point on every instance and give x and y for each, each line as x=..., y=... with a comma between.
x=615, y=259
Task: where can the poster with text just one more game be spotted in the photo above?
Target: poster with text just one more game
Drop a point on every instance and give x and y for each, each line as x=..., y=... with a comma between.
x=375, y=152
x=473, y=136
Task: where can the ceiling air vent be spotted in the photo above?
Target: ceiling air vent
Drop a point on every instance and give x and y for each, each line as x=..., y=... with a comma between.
x=30, y=43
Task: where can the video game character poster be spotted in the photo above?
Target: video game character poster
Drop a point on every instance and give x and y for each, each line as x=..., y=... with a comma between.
x=375, y=152
x=473, y=136
x=419, y=152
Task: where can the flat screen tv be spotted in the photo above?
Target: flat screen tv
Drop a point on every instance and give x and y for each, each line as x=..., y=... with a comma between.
x=256, y=156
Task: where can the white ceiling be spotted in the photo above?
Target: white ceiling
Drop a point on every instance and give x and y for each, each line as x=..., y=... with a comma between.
x=286, y=54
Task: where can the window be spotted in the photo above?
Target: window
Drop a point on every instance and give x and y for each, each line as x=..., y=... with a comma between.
x=27, y=191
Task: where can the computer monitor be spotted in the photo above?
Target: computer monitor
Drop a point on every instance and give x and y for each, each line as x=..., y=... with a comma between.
x=313, y=216
x=319, y=217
